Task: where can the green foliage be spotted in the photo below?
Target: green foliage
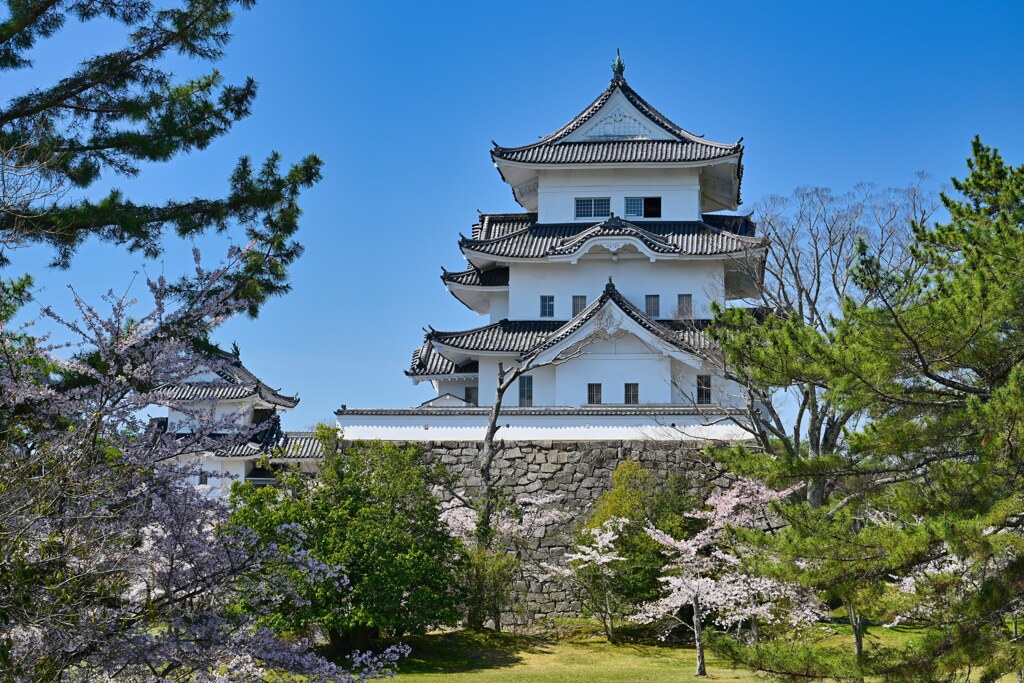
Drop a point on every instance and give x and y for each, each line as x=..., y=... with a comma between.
x=371, y=512
x=122, y=109
x=636, y=500
x=631, y=498
x=927, y=493
x=490, y=576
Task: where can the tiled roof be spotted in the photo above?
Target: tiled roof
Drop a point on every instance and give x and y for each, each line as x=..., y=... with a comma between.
x=615, y=227
x=686, y=146
x=271, y=440
x=474, y=277
x=516, y=336
x=276, y=443
x=596, y=411
x=618, y=152
x=687, y=335
x=529, y=337
x=427, y=362
x=235, y=382
x=493, y=225
x=711, y=236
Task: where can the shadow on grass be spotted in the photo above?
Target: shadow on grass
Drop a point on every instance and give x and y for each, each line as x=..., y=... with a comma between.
x=463, y=651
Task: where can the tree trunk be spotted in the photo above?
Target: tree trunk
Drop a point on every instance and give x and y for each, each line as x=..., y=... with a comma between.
x=816, y=491
x=857, y=624
x=698, y=632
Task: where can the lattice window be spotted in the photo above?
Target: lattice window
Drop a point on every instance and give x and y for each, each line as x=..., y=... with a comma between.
x=635, y=206
x=684, y=309
x=579, y=302
x=593, y=207
x=547, y=306
x=593, y=394
x=526, y=391
x=632, y=393
x=652, y=305
x=703, y=389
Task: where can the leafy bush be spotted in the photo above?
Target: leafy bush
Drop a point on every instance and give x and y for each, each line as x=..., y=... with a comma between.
x=370, y=511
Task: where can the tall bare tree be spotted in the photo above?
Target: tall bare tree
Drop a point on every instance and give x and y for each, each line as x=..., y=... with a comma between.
x=815, y=236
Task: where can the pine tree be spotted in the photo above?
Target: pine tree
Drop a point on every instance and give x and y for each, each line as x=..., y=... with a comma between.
x=121, y=109
x=922, y=524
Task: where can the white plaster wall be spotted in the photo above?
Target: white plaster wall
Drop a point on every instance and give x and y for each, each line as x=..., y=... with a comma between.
x=612, y=372
x=488, y=380
x=557, y=190
x=634, y=278
x=684, y=386
x=527, y=428
x=239, y=411
x=499, y=306
x=456, y=387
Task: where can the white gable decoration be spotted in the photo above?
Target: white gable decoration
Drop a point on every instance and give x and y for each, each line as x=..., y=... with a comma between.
x=618, y=119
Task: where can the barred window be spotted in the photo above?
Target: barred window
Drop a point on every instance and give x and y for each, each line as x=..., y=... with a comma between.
x=684, y=309
x=652, y=305
x=473, y=395
x=526, y=391
x=703, y=389
x=593, y=207
x=579, y=302
x=547, y=306
x=632, y=393
x=204, y=478
x=634, y=206
x=593, y=394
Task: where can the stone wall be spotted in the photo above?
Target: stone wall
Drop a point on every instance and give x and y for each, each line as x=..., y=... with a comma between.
x=580, y=471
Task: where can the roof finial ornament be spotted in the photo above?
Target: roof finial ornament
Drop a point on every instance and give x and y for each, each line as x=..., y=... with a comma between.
x=610, y=287
x=618, y=67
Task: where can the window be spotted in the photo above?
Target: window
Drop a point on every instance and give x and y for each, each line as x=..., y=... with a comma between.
x=652, y=304
x=261, y=415
x=473, y=395
x=547, y=306
x=593, y=394
x=643, y=207
x=526, y=391
x=204, y=479
x=685, y=307
x=703, y=389
x=579, y=302
x=632, y=393
x=593, y=207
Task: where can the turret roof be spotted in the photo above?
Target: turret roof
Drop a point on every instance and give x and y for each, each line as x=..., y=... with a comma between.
x=683, y=147
x=714, y=235
x=529, y=337
x=234, y=382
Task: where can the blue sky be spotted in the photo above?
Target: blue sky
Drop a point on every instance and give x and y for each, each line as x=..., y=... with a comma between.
x=402, y=99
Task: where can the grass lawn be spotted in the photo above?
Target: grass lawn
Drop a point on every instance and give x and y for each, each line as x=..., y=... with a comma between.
x=576, y=655
x=510, y=658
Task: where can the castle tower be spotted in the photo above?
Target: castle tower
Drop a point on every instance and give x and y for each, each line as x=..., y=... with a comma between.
x=602, y=285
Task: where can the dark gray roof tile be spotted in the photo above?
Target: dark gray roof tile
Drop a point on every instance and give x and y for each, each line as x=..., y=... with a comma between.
x=686, y=146
x=474, y=277
x=712, y=236
x=235, y=382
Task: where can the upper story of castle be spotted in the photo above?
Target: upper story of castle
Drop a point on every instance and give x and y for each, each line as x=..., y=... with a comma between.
x=620, y=156
x=619, y=191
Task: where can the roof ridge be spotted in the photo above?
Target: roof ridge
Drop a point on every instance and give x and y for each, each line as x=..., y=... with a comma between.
x=520, y=231
x=634, y=98
x=610, y=294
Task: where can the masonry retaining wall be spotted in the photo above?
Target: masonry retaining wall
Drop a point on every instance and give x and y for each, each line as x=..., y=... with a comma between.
x=580, y=471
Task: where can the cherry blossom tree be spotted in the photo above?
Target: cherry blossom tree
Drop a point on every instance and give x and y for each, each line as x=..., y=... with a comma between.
x=705, y=578
x=590, y=572
x=112, y=565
